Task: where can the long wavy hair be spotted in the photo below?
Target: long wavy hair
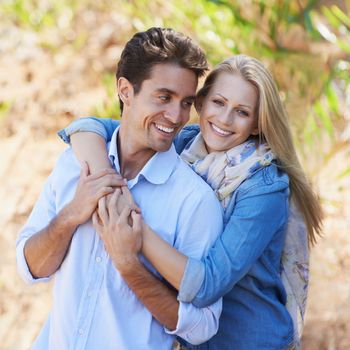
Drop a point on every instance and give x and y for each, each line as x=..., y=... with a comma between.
x=275, y=130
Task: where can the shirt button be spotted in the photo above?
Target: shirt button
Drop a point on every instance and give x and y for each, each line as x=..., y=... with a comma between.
x=89, y=294
x=98, y=259
x=81, y=331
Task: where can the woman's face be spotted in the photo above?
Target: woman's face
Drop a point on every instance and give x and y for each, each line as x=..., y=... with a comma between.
x=227, y=113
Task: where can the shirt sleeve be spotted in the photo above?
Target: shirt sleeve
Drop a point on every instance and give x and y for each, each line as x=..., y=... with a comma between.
x=102, y=126
x=197, y=325
x=43, y=212
x=201, y=224
x=256, y=218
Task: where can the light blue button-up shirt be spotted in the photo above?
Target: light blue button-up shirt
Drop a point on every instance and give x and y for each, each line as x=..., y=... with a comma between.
x=93, y=308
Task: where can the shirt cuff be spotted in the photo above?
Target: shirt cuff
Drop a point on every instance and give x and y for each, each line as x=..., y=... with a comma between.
x=191, y=281
x=23, y=268
x=188, y=319
x=82, y=125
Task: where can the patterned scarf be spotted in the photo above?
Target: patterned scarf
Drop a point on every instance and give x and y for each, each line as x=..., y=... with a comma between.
x=225, y=171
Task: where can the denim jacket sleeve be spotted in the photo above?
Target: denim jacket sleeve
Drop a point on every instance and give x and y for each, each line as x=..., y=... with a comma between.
x=259, y=213
x=101, y=126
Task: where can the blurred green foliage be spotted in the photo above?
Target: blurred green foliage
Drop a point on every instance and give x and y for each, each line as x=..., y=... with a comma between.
x=304, y=43
x=4, y=108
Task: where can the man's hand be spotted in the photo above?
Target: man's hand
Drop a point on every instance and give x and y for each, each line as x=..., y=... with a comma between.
x=89, y=191
x=121, y=232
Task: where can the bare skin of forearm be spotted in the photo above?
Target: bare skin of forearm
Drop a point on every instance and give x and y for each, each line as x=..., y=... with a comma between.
x=45, y=251
x=158, y=298
x=82, y=144
x=167, y=260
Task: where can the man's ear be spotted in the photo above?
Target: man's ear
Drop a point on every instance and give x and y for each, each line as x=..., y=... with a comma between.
x=125, y=90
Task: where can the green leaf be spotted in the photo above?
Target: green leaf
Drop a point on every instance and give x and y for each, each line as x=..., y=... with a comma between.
x=344, y=173
x=341, y=15
x=332, y=99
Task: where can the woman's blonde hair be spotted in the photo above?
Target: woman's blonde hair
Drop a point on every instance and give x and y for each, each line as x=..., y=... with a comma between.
x=275, y=130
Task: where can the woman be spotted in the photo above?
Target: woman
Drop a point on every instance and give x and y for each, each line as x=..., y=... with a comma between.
x=244, y=150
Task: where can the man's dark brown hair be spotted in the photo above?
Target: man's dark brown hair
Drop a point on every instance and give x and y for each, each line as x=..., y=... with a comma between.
x=158, y=45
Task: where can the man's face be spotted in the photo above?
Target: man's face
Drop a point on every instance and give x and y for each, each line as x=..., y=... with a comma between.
x=161, y=108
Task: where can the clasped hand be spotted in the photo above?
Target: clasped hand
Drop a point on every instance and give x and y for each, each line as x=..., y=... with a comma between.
x=92, y=187
x=119, y=223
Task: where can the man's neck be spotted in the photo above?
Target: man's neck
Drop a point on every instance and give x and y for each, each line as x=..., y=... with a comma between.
x=131, y=158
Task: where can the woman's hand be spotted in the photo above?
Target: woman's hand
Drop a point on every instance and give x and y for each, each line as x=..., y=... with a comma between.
x=120, y=228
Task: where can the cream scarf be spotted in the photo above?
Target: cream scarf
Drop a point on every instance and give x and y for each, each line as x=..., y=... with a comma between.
x=225, y=171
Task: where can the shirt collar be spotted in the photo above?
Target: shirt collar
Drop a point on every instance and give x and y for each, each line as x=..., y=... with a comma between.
x=156, y=171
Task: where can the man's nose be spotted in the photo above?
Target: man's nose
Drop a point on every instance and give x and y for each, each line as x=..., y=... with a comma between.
x=174, y=114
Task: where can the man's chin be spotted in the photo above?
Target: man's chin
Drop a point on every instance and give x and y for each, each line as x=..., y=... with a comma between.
x=162, y=147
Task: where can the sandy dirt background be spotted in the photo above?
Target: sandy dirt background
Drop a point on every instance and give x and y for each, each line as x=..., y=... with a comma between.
x=48, y=89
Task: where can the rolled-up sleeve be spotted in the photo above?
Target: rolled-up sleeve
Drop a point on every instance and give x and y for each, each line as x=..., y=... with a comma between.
x=43, y=212
x=197, y=325
x=101, y=126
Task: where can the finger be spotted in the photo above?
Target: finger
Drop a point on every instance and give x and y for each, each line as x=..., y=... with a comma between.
x=96, y=223
x=127, y=194
x=112, y=206
x=104, y=172
x=123, y=218
x=104, y=191
x=136, y=222
x=102, y=211
x=109, y=180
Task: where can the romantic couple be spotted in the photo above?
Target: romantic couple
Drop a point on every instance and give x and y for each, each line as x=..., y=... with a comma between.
x=197, y=232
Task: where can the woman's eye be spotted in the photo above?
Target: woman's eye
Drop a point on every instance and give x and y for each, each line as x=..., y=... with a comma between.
x=218, y=103
x=243, y=113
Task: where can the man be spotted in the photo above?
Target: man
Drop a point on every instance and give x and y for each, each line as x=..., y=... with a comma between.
x=93, y=307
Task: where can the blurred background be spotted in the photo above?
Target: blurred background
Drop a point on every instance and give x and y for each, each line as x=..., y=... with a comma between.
x=57, y=63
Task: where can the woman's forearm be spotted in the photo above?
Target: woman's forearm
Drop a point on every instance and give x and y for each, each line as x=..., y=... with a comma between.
x=168, y=261
x=91, y=148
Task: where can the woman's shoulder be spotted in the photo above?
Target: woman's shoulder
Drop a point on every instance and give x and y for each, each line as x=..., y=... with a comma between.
x=267, y=179
x=185, y=136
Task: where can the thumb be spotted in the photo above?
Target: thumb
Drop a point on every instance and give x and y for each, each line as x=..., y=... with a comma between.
x=85, y=171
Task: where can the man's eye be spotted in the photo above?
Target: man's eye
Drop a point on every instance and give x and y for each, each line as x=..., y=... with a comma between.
x=164, y=98
x=188, y=104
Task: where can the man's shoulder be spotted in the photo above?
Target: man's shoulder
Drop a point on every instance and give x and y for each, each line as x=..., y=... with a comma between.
x=189, y=181
x=67, y=167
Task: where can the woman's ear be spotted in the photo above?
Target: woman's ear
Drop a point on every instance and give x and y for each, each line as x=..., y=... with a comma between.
x=255, y=131
x=125, y=90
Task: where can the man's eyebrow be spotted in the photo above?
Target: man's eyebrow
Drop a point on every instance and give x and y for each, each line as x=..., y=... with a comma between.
x=171, y=92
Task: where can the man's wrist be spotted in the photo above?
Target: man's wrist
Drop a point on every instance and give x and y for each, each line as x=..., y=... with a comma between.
x=127, y=264
x=67, y=220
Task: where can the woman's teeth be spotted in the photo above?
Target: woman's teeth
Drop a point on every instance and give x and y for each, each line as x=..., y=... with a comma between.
x=220, y=131
x=164, y=128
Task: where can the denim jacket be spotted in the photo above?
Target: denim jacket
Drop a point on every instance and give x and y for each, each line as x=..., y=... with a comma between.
x=243, y=265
